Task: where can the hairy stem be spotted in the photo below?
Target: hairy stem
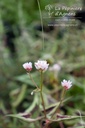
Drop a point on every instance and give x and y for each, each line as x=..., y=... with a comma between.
x=62, y=97
x=32, y=80
x=41, y=87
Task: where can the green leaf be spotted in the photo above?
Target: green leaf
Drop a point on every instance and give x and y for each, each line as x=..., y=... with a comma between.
x=20, y=96
x=26, y=79
x=55, y=105
x=68, y=118
x=34, y=103
x=20, y=116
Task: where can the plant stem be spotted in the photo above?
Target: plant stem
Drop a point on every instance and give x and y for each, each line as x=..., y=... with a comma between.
x=62, y=97
x=33, y=80
x=41, y=87
x=41, y=22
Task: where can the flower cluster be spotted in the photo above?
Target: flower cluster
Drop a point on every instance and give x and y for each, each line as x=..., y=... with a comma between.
x=40, y=65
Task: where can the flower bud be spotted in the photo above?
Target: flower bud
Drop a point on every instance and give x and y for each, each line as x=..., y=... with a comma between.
x=27, y=66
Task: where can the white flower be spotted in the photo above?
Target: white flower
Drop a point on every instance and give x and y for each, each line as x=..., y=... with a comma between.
x=27, y=66
x=66, y=84
x=41, y=65
x=55, y=67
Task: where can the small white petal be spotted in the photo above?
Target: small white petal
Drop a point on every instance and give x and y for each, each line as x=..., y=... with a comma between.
x=32, y=93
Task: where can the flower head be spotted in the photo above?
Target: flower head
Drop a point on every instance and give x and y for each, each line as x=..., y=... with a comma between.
x=41, y=65
x=66, y=84
x=27, y=66
x=55, y=67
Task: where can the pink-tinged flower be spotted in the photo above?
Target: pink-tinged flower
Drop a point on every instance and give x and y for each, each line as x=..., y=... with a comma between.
x=41, y=65
x=55, y=67
x=66, y=84
x=27, y=66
